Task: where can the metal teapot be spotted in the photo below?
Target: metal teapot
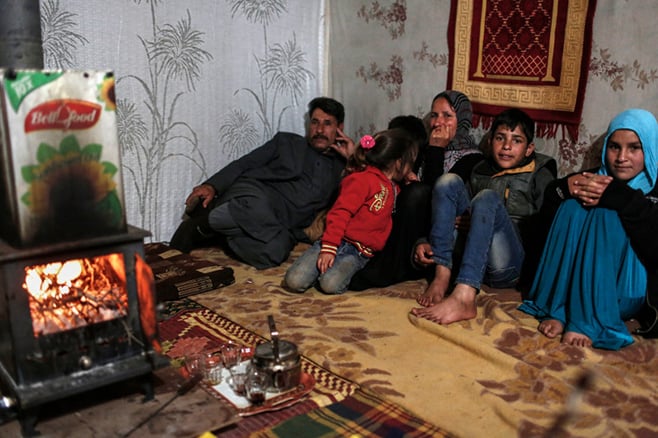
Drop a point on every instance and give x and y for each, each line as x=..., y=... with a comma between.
x=280, y=359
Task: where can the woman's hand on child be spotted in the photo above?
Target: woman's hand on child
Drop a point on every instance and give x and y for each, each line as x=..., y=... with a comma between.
x=411, y=177
x=325, y=261
x=588, y=187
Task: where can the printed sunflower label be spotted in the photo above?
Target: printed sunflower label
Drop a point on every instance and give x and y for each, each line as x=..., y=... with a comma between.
x=60, y=157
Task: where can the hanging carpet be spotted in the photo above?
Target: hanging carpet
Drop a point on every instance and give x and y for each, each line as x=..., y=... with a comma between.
x=530, y=54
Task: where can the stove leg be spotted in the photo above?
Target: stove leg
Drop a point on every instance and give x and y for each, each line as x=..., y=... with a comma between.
x=28, y=419
x=148, y=389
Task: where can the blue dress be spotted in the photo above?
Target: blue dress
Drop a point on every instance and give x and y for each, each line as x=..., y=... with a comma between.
x=589, y=278
x=597, y=290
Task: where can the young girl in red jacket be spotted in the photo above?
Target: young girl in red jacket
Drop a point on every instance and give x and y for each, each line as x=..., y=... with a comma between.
x=360, y=220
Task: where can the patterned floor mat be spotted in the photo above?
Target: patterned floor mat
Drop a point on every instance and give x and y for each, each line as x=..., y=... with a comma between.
x=335, y=406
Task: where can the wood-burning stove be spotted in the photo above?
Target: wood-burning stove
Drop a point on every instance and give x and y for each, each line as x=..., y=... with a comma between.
x=76, y=330
x=77, y=303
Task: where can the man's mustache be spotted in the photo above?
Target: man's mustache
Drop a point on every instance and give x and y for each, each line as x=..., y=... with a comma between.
x=317, y=136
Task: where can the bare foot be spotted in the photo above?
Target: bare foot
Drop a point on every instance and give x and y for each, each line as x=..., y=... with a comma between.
x=576, y=339
x=458, y=306
x=437, y=288
x=551, y=328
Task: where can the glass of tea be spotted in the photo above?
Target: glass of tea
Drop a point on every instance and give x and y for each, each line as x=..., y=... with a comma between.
x=212, y=368
x=238, y=378
x=231, y=354
x=258, y=381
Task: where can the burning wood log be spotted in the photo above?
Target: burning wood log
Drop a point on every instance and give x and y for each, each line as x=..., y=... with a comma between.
x=66, y=295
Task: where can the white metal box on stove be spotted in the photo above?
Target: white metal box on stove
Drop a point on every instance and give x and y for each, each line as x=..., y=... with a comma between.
x=60, y=156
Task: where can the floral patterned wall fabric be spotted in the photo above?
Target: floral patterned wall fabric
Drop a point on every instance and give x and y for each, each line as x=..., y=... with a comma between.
x=201, y=83
x=394, y=60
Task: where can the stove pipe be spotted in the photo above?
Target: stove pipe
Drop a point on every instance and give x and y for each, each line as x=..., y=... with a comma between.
x=20, y=34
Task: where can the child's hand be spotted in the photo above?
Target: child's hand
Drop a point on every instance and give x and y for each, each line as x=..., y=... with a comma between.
x=588, y=187
x=325, y=261
x=463, y=222
x=423, y=254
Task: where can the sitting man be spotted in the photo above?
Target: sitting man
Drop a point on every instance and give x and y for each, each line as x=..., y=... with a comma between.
x=260, y=203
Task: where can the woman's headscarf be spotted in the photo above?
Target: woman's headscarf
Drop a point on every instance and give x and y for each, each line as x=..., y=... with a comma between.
x=463, y=143
x=644, y=124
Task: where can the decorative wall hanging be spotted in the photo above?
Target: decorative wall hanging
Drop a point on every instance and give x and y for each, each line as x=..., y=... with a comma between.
x=530, y=54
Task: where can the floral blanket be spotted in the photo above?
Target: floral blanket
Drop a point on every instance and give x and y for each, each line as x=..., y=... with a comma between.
x=495, y=373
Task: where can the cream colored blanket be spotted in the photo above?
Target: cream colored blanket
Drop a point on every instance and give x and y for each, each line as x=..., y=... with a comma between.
x=492, y=376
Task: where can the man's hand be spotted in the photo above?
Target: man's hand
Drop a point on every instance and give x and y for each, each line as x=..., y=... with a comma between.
x=325, y=261
x=344, y=145
x=423, y=254
x=204, y=192
x=587, y=187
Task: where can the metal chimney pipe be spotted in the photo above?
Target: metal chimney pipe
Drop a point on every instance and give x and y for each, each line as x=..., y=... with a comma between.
x=20, y=34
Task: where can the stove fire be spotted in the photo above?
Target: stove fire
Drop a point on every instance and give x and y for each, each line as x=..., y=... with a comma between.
x=74, y=293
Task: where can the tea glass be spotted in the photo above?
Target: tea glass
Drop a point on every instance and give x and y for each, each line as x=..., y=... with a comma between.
x=212, y=368
x=258, y=382
x=194, y=364
x=231, y=354
x=238, y=378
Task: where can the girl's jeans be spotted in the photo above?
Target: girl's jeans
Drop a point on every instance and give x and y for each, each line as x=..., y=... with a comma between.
x=493, y=252
x=303, y=273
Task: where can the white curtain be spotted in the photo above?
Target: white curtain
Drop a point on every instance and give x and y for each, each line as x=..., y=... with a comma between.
x=199, y=84
x=202, y=82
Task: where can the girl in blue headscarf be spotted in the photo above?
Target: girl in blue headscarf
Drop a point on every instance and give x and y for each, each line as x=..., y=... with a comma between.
x=590, y=280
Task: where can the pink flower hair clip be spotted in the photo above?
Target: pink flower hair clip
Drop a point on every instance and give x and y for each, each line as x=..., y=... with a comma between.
x=367, y=142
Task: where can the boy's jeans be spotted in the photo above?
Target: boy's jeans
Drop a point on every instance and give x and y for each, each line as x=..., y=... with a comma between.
x=303, y=273
x=493, y=251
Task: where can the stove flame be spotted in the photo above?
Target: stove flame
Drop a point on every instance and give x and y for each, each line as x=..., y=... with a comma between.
x=69, y=272
x=73, y=293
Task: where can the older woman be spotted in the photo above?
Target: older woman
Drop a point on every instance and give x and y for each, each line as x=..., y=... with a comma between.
x=451, y=148
x=590, y=279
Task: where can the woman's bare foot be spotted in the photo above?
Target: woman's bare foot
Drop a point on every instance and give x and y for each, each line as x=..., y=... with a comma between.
x=437, y=288
x=576, y=339
x=458, y=306
x=551, y=328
